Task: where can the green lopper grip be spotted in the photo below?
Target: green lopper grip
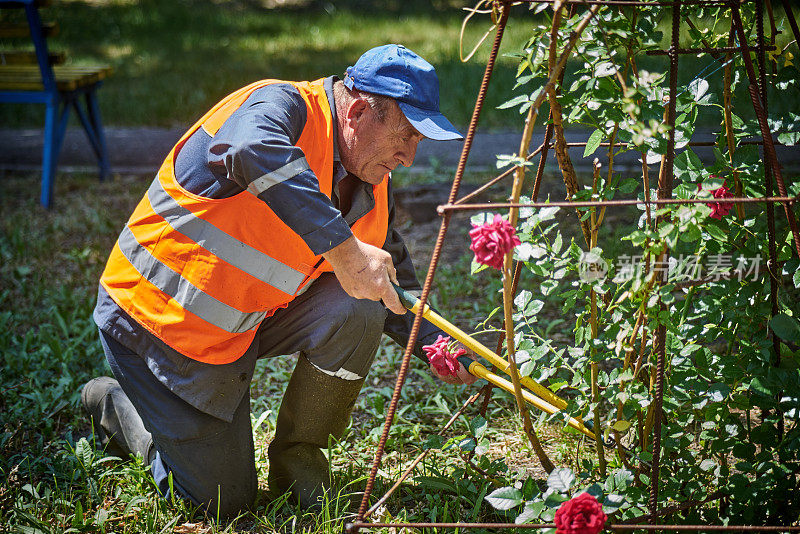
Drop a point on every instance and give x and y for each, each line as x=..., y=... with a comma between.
x=406, y=299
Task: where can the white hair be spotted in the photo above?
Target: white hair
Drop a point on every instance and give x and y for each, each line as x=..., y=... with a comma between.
x=379, y=103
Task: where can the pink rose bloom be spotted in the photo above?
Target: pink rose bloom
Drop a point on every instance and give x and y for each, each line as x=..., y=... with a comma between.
x=719, y=209
x=580, y=515
x=491, y=241
x=443, y=360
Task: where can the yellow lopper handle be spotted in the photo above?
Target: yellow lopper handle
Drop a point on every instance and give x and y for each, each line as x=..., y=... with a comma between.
x=412, y=303
x=546, y=400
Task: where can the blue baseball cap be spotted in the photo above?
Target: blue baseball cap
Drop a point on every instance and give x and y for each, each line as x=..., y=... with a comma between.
x=395, y=71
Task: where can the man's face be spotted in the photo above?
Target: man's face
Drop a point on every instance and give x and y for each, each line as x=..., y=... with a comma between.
x=373, y=147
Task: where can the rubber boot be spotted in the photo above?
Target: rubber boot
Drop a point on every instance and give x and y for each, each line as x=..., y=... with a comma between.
x=314, y=406
x=115, y=420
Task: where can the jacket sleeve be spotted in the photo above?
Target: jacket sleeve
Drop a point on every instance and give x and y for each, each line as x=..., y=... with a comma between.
x=256, y=146
x=398, y=327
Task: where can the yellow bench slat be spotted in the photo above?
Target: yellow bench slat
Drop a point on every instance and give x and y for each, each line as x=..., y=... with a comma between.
x=22, y=57
x=10, y=30
x=64, y=69
x=68, y=78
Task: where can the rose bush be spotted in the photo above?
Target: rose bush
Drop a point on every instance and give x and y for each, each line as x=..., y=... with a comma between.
x=691, y=278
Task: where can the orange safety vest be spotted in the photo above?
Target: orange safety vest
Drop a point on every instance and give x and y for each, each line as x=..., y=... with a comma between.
x=202, y=274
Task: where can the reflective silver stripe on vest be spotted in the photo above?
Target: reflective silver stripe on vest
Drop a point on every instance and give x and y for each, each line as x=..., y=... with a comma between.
x=291, y=169
x=184, y=292
x=223, y=245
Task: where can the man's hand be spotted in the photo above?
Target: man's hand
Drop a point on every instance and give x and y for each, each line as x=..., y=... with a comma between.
x=462, y=376
x=365, y=272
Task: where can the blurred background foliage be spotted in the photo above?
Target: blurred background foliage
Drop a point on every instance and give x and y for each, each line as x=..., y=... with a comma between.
x=173, y=60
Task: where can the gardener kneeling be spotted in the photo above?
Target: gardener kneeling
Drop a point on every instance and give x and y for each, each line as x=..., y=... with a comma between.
x=267, y=231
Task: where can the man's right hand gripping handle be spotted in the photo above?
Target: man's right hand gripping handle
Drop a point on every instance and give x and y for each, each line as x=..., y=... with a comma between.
x=365, y=272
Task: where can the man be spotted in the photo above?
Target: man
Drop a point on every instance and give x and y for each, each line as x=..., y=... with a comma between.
x=267, y=231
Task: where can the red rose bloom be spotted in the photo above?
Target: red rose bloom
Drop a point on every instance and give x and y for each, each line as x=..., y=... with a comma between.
x=580, y=515
x=491, y=241
x=719, y=209
x=443, y=360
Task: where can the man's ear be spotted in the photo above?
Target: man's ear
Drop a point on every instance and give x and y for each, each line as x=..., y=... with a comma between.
x=355, y=111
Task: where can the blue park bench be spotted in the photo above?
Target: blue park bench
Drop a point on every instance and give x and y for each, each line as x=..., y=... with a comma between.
x=38, y=76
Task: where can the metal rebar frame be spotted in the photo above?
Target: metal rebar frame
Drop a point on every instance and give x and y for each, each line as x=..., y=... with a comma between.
x=711, y=49
x=757, y=89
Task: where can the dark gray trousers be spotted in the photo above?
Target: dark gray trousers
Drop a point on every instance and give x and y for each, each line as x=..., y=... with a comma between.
x=212, y=462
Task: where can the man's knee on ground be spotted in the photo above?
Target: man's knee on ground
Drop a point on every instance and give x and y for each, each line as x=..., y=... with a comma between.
x=225, y=501
x=231, y=503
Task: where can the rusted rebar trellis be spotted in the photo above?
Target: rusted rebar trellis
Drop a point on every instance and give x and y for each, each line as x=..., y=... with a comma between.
x=772, y=171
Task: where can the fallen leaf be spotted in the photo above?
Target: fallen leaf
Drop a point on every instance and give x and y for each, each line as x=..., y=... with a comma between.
x=192, y=528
